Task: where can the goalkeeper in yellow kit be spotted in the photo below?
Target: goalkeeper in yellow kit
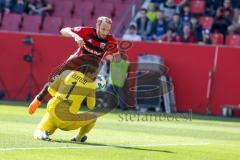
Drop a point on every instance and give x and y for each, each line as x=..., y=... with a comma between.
x=68, y=91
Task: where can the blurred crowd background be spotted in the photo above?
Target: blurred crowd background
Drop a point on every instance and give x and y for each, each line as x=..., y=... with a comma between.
x=187, y=21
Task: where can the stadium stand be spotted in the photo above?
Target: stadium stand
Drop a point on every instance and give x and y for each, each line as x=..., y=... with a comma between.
x=31, y=23
x=71, y=12
x=106, y=9
x=63, y=9
x=233, y=40
x=72, y=22
x=217, y=38
x=197, y=6
x=84, y=12
x=11, y=22
x=206, y=22
x=51, y=25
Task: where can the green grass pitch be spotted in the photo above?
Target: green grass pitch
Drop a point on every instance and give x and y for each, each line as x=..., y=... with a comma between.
x=203, y=138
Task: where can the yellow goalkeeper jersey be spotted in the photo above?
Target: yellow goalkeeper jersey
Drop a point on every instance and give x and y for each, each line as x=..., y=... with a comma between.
x=72, y=86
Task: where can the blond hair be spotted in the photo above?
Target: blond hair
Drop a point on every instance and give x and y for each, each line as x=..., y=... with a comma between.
x=104, y=19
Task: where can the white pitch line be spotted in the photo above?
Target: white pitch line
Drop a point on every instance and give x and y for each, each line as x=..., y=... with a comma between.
x=96, y=146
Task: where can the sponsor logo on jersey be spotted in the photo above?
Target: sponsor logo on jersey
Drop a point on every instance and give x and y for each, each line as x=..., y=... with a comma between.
x=92, y=51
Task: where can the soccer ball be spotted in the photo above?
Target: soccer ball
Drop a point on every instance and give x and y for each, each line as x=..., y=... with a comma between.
x=100, y=82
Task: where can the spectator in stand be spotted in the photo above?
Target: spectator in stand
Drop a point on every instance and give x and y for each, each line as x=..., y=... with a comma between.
x=235, y=4
x=170, y=36
x=227, y=9
x=216, y=4
x=169, y=8
x=5, y=6
x=196, y=28
x=185, y=17
x=144, y=26
x=235, y=27
x=19, y=6
x=159, y=26
x=151, y=12
x=132, y=34
x=181, y=3
x=209, y=10
x=158, y=2
x=205, y=37
x=175, y=24
x=211, y=7
x=187, y=36
x=2, y=5
x=39, y=7
x=221, y=23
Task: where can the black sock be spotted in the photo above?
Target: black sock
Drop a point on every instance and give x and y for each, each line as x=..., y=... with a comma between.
x=43, y=92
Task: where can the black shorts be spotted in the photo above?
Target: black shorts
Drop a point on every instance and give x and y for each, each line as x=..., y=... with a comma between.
x=75, y=63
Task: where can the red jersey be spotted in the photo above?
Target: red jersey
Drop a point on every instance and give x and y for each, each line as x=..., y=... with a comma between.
x=93, y=44
x=92, y=51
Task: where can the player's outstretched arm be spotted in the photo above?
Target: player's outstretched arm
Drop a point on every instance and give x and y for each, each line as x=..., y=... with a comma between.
x=67, y=32
x=91, y=100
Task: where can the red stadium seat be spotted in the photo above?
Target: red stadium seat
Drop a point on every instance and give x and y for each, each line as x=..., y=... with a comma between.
x=97, y=2
x=197, y=7
x=83, y=10
x=217, y=38
x=233, y=40
x=138, y=4
x=119, y=13
x=31, y=23
x=72, y=22
x=206, y=22
x=121, y=10
x=107, y=9
x=52, y=25
x=50, y=1
x=90, y=23
x=1, y=19
x=63, y=9
x=11, y=22
x=129, y=1
x=115, y=3
x=114, y=25
x=178, y=1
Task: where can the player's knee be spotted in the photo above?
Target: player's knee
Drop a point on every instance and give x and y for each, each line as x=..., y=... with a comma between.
x=93, y=121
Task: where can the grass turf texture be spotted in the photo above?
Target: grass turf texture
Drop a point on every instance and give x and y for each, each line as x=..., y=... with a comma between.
x=210, y=138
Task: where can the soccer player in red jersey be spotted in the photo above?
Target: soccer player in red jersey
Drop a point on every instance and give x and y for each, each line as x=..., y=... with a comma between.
x=94, y=44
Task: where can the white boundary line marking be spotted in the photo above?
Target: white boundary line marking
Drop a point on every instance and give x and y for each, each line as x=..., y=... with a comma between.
x=215, y=59
x=212, y=72
x=96, y=146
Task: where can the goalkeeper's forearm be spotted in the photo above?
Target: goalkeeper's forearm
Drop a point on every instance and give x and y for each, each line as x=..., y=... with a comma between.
x=91, y=102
